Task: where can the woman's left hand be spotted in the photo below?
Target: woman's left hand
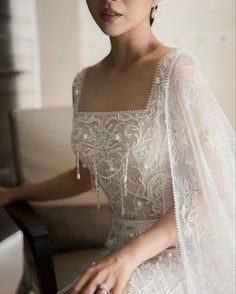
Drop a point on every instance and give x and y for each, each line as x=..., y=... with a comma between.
x=115, y=271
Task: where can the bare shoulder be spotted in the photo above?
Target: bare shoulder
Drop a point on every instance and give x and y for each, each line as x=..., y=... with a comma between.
x=159, y=53
x=96, y=71
x=102, y=64
x=96, y=68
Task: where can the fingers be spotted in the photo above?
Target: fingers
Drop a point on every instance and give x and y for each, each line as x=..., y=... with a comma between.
x=98, y=275
x=84, y=280
x=101, y=281
x=121, y=289
x=91, y=287
x=109, y=285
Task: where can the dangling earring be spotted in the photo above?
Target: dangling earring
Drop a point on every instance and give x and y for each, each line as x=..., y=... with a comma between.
x=154, y=13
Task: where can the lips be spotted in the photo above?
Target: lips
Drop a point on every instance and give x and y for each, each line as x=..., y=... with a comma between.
x=109, y=12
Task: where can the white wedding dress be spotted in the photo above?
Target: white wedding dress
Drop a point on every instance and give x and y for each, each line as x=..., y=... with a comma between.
x=129, y=157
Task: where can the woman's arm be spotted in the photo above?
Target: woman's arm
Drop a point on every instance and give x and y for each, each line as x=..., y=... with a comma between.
x=153, y=241
x=58, y=187
x=123, y=261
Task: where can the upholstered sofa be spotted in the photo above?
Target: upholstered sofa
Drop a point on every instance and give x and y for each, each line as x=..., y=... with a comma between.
x=61, y=237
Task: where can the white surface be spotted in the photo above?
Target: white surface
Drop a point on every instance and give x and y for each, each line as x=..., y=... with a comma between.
x=11, y=263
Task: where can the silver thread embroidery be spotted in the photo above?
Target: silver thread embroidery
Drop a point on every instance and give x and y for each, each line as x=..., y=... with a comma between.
x=96, y=186
x=124, y=176
x=77, y=165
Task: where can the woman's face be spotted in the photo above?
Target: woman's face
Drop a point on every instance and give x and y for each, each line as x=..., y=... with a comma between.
x=133, y=13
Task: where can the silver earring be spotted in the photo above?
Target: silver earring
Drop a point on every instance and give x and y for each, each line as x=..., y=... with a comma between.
x=154, y=13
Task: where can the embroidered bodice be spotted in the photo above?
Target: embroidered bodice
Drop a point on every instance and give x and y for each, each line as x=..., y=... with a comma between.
x=178, y=151
x=127, y=155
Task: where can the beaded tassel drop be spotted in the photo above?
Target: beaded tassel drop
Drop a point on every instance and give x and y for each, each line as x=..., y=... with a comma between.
x=95, y=185
x=94, y=179
x=77, y=166
x=124, y=190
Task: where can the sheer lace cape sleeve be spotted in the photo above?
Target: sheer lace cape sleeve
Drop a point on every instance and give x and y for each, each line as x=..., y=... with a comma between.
x=201, y=145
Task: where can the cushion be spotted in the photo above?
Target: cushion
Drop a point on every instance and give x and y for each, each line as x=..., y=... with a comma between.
x=77, y=227
x=42, y=142
x=42, y=148
x=69, y=266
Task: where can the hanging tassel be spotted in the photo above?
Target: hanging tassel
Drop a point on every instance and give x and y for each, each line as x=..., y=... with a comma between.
x=77, y=166
x=122, y=194
x=124, y=176
x=96, y=187
x=125, y=173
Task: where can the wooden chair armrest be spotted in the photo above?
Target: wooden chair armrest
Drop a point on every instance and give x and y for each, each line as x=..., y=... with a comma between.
x=37, y=236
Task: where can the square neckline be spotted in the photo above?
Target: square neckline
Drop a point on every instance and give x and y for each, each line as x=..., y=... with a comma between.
x=140, y=110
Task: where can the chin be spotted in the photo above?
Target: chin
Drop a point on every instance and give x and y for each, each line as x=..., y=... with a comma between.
x=111, y=32
x=110, y=29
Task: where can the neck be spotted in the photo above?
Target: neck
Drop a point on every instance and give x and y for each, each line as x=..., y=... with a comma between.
x=131, y=47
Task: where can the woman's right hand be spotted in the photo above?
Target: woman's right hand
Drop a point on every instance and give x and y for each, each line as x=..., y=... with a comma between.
x=5, y=196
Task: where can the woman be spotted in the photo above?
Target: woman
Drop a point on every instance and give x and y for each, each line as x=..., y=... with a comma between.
x=149, y=131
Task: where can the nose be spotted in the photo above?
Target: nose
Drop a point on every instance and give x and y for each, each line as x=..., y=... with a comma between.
x=108, y=2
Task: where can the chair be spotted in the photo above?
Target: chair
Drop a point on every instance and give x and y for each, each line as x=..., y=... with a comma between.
x=61, y=237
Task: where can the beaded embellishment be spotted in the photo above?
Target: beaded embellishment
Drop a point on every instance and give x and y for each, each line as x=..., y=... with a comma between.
x=103, y=115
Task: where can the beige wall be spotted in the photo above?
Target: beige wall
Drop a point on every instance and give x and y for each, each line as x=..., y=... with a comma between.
x=24, y=53
x=58, y=41
x=205, y=27
x=70, y=39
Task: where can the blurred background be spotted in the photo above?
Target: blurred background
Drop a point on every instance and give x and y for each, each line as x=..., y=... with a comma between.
x=44, y=43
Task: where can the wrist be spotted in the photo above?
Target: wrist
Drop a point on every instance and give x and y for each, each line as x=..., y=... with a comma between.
x=131, y=254
x=126, y=256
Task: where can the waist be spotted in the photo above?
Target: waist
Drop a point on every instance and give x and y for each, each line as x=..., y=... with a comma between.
x=123, y=229
x=133, y=222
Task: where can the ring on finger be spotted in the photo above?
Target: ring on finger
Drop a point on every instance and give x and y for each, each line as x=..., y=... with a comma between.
x=103, y=286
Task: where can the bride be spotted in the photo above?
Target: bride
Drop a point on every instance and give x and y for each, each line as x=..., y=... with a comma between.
x=148, y=130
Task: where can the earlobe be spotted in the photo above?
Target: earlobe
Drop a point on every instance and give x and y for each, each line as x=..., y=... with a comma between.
x=154, y=14
x=154, y=11
x=154, y=4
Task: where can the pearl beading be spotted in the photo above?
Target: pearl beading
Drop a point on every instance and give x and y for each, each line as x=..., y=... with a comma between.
x=93, y=171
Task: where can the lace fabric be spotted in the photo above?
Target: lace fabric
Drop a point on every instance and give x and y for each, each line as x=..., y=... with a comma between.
x=201, y=145
x=178, y=151
x=120, y=145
